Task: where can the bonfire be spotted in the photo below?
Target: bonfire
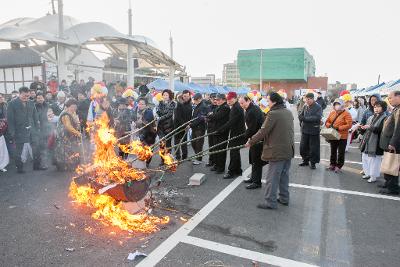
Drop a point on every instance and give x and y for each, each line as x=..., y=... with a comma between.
x=107, y=172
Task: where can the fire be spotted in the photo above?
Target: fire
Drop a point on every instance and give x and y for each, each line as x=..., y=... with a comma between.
x=137, y=148
x=112, y=212
x=108, y=168
x=167, y=157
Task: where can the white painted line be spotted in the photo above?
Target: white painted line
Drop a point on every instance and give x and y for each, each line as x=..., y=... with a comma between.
x=243, y=253
x=347, y=161
x=165, y=247
x=341, y=191
x=323, y=144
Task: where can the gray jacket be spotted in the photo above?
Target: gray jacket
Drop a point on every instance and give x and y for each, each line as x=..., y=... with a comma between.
x=391, y=131
x=22, y=121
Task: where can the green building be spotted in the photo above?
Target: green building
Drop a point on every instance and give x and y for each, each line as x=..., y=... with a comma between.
x=278, y=64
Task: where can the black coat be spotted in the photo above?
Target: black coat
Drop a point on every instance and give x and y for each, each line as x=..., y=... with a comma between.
x=3, y=111
x=254, y=118
x=211, y=124
x=235, y=125
x=310, y=119
x=391, y=131
x=57, y=109
x=321, y=102
x=200, y=112
x=183, y=113
x=22, y=121
x=166, y=111
x=220, y=117
x=82, y=111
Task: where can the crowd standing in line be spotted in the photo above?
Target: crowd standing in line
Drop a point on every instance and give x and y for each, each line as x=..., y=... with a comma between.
x=48, y=122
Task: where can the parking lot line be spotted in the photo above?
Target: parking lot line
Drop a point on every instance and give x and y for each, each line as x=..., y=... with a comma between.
x=341, y=191
x=243, y=253
x=165, y=247
x=347, y=161
x=324, y=144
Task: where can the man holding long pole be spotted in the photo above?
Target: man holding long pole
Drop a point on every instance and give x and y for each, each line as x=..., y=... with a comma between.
x=219, y=117
x=198, y=126
x=183, y=114
x=254, y=119
x=277, y=133
x=235, y=126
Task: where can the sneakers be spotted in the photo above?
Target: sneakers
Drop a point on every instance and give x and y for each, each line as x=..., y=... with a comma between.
x=312, y=166
x=372, y=180
x=366, y=177
x=337, y=169
x=3, y=170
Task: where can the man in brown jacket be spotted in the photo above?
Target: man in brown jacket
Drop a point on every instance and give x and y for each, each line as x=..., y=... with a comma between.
x=277, y=132
x=390, y=141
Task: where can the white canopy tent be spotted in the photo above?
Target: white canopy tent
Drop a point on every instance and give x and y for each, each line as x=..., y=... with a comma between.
x=76, y=36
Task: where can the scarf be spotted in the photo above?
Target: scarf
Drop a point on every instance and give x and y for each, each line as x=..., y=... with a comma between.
x=370, y=141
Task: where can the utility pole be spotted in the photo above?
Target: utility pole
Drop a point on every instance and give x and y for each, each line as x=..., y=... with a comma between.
x=379, y=78
x=61, y=67
x=171, y=68
x=130, y=61
x=261, y=67
x=53, y=7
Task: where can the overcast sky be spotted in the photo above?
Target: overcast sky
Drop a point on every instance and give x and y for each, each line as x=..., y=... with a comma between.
x=351, y=40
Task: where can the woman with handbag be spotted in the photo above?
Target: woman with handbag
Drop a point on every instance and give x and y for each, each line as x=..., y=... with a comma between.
x=340, y=120
x=390, y=142
x=371, y=152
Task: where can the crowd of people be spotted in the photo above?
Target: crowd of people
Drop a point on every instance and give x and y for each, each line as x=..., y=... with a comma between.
x=48, y=124
x=373, y=122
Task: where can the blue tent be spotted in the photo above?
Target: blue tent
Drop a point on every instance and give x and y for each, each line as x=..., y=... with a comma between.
x=161, y=84
x=198, y=89
x=373, y=88
x=210, y=88
x=158, y=84
x=221, y=90
x=242, y=90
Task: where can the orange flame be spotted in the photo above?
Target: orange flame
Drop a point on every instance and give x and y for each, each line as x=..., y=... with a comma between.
x=108, y=168
x=167, y=157
x=112, y=212
x=137, y=148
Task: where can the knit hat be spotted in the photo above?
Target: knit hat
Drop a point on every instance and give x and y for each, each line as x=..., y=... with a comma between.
x=338, y=101
x=231, y=95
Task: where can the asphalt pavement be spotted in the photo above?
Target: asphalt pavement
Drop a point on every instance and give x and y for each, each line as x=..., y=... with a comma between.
x=332, y=220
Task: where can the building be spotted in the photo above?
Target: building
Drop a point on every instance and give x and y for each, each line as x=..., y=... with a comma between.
x=230, y=75
x=280, y=68
x=338, y=86
x=204, y=80
x=19, y=65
